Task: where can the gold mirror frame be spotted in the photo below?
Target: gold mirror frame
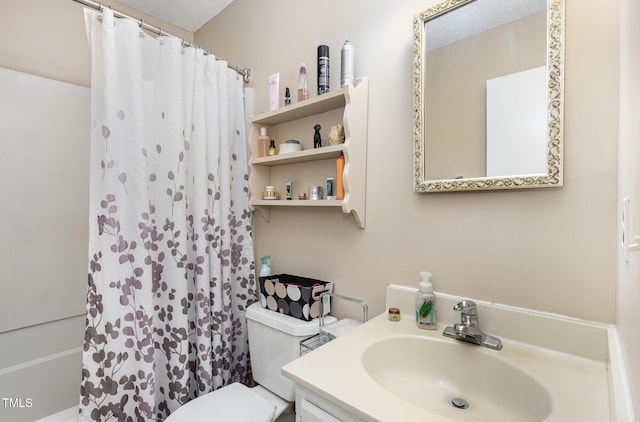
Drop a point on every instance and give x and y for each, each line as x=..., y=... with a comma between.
x=555, y=110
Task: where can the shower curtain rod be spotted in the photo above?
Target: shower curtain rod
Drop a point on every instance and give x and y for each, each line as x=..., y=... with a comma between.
x=244, y=71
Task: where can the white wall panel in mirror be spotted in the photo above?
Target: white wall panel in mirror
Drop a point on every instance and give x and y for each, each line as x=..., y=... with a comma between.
x=517, y=123
x=44, y=156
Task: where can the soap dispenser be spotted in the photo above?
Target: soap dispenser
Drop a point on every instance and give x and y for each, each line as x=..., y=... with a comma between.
x=425, y=303
x=265, y=268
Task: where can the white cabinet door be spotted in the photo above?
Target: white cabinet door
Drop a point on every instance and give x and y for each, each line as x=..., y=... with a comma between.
x=309, y=412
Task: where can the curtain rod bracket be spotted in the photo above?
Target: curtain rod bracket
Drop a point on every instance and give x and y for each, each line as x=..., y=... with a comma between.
x=246, y=74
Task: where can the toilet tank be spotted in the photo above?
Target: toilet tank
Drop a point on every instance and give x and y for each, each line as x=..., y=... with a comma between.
x=274, y=340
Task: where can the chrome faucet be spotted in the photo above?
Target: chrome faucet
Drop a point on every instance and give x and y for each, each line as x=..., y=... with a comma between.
x=468, y=329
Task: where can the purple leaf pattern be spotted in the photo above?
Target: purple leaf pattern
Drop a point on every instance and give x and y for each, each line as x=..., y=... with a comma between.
x=171, y=266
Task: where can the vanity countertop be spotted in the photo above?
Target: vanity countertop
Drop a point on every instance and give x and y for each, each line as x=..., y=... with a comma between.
x=578, y=386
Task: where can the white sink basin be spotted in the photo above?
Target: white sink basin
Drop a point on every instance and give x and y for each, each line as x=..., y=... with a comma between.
x=432, y=372
x=392, y=371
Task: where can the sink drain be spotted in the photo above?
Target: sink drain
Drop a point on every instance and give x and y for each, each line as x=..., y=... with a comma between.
x=458, y=403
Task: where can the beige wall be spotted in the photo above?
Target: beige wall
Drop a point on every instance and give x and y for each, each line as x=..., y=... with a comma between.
x=43, y=361
x=47, y=38
x=551, y=250
x=628, y=298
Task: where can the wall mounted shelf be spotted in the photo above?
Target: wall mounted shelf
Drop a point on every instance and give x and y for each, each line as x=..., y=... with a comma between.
x=347, y=106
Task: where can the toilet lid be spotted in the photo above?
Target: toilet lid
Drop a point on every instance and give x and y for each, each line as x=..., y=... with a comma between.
x=232, y=403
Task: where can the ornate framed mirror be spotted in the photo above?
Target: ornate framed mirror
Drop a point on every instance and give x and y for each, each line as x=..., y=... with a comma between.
x=488, y=95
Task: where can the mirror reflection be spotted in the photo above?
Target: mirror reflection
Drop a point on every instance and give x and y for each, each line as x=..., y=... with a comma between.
x=487, y=94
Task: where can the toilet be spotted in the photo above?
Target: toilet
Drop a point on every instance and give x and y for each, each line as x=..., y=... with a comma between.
x=274, y=340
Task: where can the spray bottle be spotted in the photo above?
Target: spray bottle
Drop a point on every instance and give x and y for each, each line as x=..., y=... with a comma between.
x=303, y=84
x=323, y=69
x=265, y=268
x=346, y=65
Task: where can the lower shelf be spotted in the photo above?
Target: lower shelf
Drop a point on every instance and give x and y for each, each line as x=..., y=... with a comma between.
x=297, y=203
x=264, y=207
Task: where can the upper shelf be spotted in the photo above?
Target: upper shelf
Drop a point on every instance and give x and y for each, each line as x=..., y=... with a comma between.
x=315, y=105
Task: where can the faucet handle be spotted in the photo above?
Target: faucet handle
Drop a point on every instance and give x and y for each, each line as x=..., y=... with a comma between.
x=468, y=312
x=466, y=307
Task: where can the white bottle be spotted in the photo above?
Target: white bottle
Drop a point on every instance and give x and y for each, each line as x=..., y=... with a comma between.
x=265, y=268
x=346, y=64
x=425, y=303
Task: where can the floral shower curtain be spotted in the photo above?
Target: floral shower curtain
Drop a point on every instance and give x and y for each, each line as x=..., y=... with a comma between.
x=171, y=256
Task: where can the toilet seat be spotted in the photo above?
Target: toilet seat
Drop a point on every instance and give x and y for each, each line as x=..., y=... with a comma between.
x=232, y=403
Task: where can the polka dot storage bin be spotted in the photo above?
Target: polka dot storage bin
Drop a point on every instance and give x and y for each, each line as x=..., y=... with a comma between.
x=293, y=295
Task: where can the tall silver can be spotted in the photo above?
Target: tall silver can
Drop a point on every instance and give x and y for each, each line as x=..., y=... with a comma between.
x=346, y=64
